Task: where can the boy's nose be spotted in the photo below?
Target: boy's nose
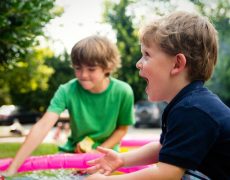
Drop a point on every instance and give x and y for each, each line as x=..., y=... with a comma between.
x=139, y=64
x=81, y=74
x=84, y=74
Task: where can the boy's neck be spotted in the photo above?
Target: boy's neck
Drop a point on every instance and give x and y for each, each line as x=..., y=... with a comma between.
x=176, y=87
x=104, y=85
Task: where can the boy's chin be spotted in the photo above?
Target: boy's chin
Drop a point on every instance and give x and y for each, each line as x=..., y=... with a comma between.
x=86, y=86
x=152, y=99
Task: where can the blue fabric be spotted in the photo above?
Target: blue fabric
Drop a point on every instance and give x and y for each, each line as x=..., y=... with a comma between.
x=194, y=175
x=196, y=132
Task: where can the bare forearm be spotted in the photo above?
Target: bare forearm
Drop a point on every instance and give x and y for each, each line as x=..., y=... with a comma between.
x=116, y=137
x=146, y=174
x=159, y=171
x=147, y=154
x=34, y=138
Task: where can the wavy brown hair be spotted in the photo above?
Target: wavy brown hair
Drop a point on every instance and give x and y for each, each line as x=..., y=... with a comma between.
x=189, y=34
x=96, y=50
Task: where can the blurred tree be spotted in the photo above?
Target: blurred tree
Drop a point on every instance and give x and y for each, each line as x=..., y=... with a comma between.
x=20, y=23
x=219, y=14
x=63, y=72
x=25, y=77
x=32, y=83
x=24, y=74
x=128, y=44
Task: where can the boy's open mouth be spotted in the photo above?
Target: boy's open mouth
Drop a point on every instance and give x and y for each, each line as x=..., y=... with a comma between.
x=146, y=79
x=147, y=82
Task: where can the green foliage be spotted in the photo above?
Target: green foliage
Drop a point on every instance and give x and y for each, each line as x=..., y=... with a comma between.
x=21, y=21
x=22, y=79
x=24, y=74
x=32, y=82
x=63, y=72
x=128, y=44
x=220, y=15
x=8, y=150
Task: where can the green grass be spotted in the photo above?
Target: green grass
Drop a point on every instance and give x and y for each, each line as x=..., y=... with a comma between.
x=9, y=149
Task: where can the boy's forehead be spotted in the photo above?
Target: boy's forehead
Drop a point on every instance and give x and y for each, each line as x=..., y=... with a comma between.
x=149, y=45
x=86, y=66
x=145, y=47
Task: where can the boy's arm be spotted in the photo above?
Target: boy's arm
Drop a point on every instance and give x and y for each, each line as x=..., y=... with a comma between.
x=37, y=133
x=115, y=138
x=147, y=154
x=159, y=171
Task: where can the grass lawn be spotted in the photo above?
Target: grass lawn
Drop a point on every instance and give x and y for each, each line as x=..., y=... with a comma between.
x=9, y=149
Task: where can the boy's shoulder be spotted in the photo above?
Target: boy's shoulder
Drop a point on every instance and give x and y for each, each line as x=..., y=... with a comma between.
x=69, y=84
x=120, y=83
x=204, y=100
x=71, y=81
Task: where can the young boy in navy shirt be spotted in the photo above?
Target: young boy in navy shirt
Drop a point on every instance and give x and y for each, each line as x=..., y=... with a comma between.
x=179, y=54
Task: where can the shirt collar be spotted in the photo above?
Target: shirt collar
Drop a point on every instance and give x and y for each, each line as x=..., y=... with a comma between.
x=190, y=87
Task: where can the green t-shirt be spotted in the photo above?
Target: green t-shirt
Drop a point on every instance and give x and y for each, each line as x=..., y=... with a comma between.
x=95, y=115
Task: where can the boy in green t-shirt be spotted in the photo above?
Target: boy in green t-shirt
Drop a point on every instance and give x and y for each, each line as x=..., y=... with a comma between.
x=100, y=107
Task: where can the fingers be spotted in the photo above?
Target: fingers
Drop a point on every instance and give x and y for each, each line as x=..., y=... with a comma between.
x=93, y=151
x=103, y=150
x=93, y=169
x=7, y=173
x=78, y=149
x=98, y=169
x=101, y=171
x=101, y=165
x=93, y=162
x=79, y=172
x=105, y=172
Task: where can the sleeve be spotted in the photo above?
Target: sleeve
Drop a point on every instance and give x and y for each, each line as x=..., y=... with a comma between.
x=58, y=102
x=189, y=137
x=126, y=114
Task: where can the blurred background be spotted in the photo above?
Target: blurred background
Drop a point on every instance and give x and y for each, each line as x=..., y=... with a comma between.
x=36, y=38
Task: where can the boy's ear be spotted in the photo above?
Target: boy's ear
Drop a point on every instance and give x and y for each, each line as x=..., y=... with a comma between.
x=180, y=64
x=107, y=71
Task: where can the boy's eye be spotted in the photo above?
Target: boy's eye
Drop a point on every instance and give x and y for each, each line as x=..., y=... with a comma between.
x=146, y=53
x=77, y=68
x=91, y=69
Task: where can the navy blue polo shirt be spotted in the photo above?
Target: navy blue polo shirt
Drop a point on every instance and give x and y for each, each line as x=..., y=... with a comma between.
x=196, y=132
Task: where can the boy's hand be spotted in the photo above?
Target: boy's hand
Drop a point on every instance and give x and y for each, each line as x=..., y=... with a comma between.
x=93, y=151
x=7, y=173
x=78, y=149
x=106, y=164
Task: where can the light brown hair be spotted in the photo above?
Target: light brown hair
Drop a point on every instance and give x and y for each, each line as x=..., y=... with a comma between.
x=96, y=50
x=189, y=34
